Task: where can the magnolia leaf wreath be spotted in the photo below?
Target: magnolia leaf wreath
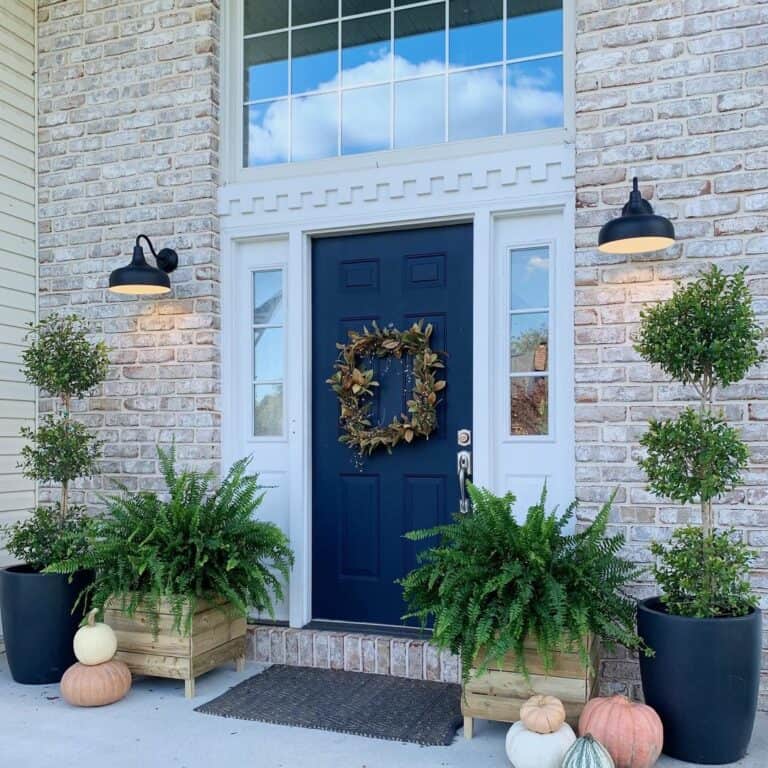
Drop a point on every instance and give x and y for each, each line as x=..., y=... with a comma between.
x=353, y=383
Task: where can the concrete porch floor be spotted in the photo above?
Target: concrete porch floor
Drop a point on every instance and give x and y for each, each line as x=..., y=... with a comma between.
x=155, y=726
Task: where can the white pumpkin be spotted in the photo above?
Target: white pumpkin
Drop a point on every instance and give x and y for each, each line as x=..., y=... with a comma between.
x=528, y=749
x=94, y=643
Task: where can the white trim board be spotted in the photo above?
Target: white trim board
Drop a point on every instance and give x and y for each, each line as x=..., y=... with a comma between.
x=273, y=224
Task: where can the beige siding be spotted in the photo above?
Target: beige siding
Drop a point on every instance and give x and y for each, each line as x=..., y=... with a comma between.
x=18, y=267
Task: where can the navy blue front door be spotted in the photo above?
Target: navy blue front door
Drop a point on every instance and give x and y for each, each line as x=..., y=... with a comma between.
x=362, y=509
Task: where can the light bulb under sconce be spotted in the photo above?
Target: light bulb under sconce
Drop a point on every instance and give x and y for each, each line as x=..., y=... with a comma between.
x=637, y=230
x=142, y=279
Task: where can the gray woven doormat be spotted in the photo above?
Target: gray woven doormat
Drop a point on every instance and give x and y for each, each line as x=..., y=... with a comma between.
x=377, y=706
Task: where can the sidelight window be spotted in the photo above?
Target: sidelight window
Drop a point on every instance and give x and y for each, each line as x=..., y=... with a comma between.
x=323, y=78
x=529, y=341
x=268, y=320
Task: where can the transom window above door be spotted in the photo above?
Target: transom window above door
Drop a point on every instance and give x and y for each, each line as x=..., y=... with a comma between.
x=323, y=78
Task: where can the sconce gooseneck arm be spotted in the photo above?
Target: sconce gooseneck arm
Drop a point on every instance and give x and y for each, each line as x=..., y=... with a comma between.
x=149, y=243
x=167, y=259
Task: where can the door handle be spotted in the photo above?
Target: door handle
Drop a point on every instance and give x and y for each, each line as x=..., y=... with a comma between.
x=464, y=467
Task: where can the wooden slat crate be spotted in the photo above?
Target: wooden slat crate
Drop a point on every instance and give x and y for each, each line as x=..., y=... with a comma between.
x=499, y=693
x=217, y=636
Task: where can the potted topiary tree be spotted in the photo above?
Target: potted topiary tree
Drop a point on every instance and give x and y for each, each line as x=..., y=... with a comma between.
x=38, y=608
x=705, y=628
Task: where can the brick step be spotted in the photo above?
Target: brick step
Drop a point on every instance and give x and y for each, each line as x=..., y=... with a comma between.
x=351, y=651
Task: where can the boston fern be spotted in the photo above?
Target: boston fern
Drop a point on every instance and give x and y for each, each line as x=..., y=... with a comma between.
x=493, y=583
x=200, y=543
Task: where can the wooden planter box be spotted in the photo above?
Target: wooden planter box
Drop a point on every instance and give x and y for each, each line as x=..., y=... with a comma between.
x=217, y=636
x=499, y=693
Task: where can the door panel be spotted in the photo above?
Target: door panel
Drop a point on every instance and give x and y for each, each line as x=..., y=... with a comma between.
x=362, y=508
x=423, y=505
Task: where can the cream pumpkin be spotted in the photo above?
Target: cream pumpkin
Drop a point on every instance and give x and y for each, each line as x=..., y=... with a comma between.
x=95, y=685
x=542, y=714
x=94, y=643
x=631, y=732
x=528, y=749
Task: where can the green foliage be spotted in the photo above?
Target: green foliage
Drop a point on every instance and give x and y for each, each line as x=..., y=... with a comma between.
x=491, y=582
x=60, y=450
x=47, y=536
x=704, y=577
x=706, y=332
x=200, y=543
x=61, y=360
x=693, y=457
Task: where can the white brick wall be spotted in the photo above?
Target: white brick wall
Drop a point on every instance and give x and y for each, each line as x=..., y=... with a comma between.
x=676, y=92
x=128, y=143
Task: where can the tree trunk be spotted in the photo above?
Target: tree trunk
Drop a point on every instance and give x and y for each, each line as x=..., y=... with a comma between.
x=66, y=402
x=707, y=513
x=64, y=506
x=705, y=408
x=707, y=519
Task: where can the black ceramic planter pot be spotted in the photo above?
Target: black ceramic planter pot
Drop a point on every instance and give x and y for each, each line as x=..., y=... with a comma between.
x=38, y=622
x=703, y=681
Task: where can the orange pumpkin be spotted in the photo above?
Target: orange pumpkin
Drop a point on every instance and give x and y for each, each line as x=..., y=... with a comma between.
x=542, y=714
x=631, y=732
x=96, y=685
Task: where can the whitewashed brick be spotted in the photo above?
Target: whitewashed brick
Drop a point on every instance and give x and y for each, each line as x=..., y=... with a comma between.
x=701, y=68
x=121, y=110
x=741, y=100
x=727, y=62
x=725, y=41
x=600, y=61
x=715, y=84
x=713, y=206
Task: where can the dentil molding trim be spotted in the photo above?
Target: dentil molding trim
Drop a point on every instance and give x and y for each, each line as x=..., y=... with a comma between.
x=484, y=177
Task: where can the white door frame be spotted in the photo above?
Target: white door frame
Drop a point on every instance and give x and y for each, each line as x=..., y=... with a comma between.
x=476, y=189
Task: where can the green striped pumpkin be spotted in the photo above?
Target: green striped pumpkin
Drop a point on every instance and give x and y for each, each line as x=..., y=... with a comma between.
x=587, y=752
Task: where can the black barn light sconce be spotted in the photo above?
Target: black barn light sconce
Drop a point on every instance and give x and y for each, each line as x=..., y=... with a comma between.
x=637, y=230
x=140, y=278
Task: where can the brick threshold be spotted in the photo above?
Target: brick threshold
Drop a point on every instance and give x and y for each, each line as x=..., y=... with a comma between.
x=351, y=651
